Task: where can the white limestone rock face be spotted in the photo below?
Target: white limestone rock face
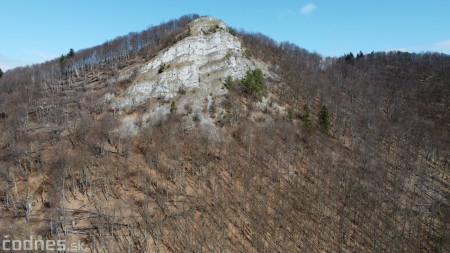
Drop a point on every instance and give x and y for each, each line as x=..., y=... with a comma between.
x=192, y=80
x=199, y=62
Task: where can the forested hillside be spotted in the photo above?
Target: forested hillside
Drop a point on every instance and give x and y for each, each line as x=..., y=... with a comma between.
x=314, y=154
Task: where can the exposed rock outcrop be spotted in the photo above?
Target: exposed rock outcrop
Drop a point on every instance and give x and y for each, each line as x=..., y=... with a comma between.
x=201, y=61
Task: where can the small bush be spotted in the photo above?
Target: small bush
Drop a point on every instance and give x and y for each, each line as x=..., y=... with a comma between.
x=182, y=90
x=290, y=114
x=196, y=117
x=173, y=107
x=163, y=67
x=188, y=108
x=232, y=31
x=247, y=53
x=229, y=82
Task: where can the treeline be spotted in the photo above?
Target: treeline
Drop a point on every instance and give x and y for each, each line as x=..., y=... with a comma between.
x=142, y=45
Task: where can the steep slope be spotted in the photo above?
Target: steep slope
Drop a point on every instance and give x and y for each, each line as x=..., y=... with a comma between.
x=198, y=64
x=201, y=60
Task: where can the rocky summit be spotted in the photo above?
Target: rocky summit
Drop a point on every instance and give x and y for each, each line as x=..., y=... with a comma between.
x=198, y=64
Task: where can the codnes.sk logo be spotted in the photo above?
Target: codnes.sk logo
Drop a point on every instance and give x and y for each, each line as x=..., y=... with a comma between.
x=33, y=244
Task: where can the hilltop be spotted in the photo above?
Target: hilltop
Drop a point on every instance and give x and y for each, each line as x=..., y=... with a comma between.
x=191, y=136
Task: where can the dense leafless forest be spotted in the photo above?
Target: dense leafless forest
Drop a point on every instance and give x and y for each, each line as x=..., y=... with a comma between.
x=376, y=181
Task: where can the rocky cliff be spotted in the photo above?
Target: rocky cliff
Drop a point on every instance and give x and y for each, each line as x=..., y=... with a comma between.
x=198, y=64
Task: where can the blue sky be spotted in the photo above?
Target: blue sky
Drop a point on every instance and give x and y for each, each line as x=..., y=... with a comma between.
x=35, y=31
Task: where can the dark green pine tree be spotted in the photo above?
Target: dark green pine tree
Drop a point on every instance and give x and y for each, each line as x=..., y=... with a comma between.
x=349, y=58
x=324, y=120
x=360, y=55
x=254, y=83
x=71, y=53
x=1, y=73
x=306, y=118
